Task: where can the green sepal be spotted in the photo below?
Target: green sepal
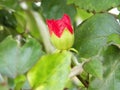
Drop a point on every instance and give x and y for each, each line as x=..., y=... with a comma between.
x=64, y=42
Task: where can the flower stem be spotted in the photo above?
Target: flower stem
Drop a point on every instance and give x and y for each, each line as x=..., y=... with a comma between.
x=44, y=32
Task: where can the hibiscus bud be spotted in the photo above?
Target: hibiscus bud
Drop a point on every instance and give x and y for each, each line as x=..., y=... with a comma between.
x=61, y=32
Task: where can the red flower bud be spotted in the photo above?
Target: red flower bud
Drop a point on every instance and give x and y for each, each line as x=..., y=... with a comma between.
x=61, y=32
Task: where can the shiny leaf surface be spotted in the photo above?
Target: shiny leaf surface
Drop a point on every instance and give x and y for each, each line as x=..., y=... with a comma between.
x=91, y=36
x=50, y=72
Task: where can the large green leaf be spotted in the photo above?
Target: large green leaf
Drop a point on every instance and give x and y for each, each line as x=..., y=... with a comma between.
x=56, y=8
x=50, y=72
x=111, y=77
x=91, y=36
x=95, y=5
x=15, y=60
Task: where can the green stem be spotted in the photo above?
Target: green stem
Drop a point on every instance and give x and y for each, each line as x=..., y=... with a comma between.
x=84, y=82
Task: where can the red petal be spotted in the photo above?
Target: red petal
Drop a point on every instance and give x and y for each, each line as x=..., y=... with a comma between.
x=67, y=22
x=61, y=27
x=58, y=26
x=52, y=26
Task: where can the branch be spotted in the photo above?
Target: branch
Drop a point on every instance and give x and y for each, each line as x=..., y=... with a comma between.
x=76, y=70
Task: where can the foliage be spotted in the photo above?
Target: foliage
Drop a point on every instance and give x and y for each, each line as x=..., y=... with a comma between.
x=28, y=60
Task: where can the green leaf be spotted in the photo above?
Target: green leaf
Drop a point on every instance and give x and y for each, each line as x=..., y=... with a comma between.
x=8, y=19
x=11, y=4
x=95, y=5
x=32, y=25
x=26, y=86
x=114, y=39
x=94, y=67
x=91, y=36
x=15, y=60
x=111, y=76
x=56, y=9
x=20, y=17
x=51, y=72
x=19, y=81
x=83, y=14
x=3, y=34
